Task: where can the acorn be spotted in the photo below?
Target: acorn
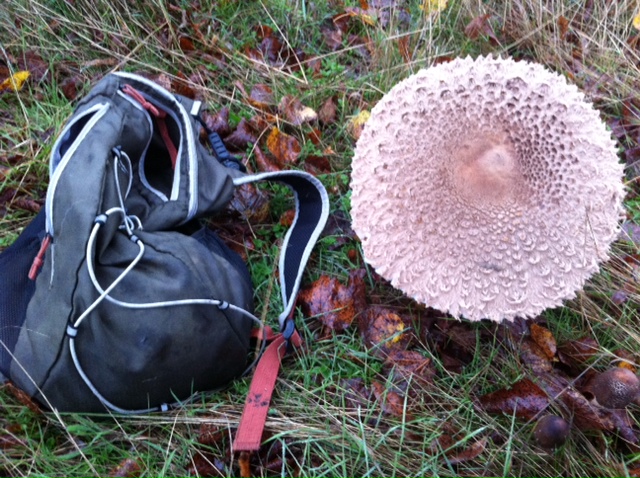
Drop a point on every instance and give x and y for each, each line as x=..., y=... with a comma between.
x=551, y=431
x=615, y=388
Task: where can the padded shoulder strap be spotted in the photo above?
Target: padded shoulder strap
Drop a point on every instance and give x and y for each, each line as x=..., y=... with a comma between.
x=312, y=211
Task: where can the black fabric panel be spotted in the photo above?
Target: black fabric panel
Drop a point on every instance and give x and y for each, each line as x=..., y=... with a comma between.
x=16, y=289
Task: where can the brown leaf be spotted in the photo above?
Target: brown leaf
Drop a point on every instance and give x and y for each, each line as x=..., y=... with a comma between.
x=32, y=62
x=563, y=23
x=285, y=148
x=317, y=164
x=206, y=464
x=209, y=434
x=383, y=329
x=544, y=339
x=328, y=111
x=577, y=353
x=244, y=462
x=128, y=468
x=11, y=442
x=533, y=356
x=481, y=26
x=525, y=399
x=403, y=47
x=409, y=368
x=392, y=402
x=263, y=162
x=69, y=87
x=295, y=112
x=330, y=300
x=23, y=398
x=244, y=135
x=467, y=454
x=332, y=37
x=186, y=43
x=251, y=203
x=180, y=85
x=219, y=122
x=261, y=97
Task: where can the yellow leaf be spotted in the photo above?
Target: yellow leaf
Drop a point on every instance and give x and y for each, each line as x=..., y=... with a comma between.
x=15, y=82
x=357, y=123
x=433, y=6
x=636, y=21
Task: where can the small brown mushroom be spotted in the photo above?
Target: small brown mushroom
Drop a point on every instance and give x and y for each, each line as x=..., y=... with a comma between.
x=615, y=388
x=487, y=188
x=551, y=431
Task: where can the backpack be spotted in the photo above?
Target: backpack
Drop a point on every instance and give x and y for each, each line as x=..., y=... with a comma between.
x=115, y=297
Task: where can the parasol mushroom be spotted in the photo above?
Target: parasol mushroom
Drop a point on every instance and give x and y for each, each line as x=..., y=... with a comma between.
x=486, y=188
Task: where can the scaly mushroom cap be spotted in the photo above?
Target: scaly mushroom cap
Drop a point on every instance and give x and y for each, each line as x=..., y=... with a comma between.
x=487, y=188
x=615, y=388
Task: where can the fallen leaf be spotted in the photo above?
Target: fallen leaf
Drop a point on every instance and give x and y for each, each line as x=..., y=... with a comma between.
x=209, y=434
x=332, y=37
x=317, y=164
x=15, y=82
x=576, y=354
x=544, y=339
x=263, y=162
x=534, y=357
x=481, y=26
x=23, y=398
x=328, y=111
x=261, y=97
x=356, y=124
x=186, y=43
x=383, y=330
x=251, y=203
x=128, y=468
x=206, y=464
x=409, y=368
x=244, y=463
x=244, y=135
x=469, y=453
x=392, y=403
x=364, y=15
x=563, y=24
x=334, y=303
x=69, y=87
x=403, y=48
x=180, y=85
x=285, y=148
x=295, y=112
x=524, y=399
x=219, y=122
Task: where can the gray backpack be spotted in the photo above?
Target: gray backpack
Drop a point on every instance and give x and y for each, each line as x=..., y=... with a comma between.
x=115, y=297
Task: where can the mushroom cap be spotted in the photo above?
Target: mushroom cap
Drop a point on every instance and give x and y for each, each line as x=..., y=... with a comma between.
x=551, y=431
x=615, y=388
x=486, y=188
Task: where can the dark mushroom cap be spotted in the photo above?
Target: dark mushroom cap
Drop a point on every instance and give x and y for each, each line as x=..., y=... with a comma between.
x=615, y=388
x=551, y=431
x=486, y=188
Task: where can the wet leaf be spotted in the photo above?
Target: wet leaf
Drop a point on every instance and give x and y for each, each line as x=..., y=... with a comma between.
x=328, y=111
x=467, y=454
x=181, y=86
x=244, y=135
x=356, y=124
x=285, y=148
x=317, y=164
x=69, y=87
x=244, y=463
x=9, y=441
x=481, y=26
x=15, y=81
x=261, y=97
x=383, y=329
x=544, y=339
x=332, y=37
x=295, y=112
x=534, y=357
x=525, y=399
x=128, y=468
x=218, y=122
x=335, y=304
x=577, y=353
x=392, y=403
x=409, y=368
x=263, y=162
x=209, y=434
x=186, y=43
x=251, y=203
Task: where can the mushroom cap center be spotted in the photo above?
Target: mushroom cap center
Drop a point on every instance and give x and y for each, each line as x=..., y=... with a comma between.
x=485, y=170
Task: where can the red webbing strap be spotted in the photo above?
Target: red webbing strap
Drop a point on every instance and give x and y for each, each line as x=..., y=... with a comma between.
x=254, y=416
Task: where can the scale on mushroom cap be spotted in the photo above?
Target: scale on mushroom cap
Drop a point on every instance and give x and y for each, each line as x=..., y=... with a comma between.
x=486, y=188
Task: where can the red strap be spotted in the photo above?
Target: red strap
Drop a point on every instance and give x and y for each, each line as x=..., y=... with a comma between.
x=254, y=415
x=160, y=120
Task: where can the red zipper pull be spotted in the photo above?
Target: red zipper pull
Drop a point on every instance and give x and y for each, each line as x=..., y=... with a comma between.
x=39, y=259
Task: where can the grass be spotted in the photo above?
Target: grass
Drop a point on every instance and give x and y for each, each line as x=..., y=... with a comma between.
x=325, y=420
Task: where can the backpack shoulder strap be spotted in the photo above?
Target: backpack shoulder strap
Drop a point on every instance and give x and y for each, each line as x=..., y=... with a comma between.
x=312, y=211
